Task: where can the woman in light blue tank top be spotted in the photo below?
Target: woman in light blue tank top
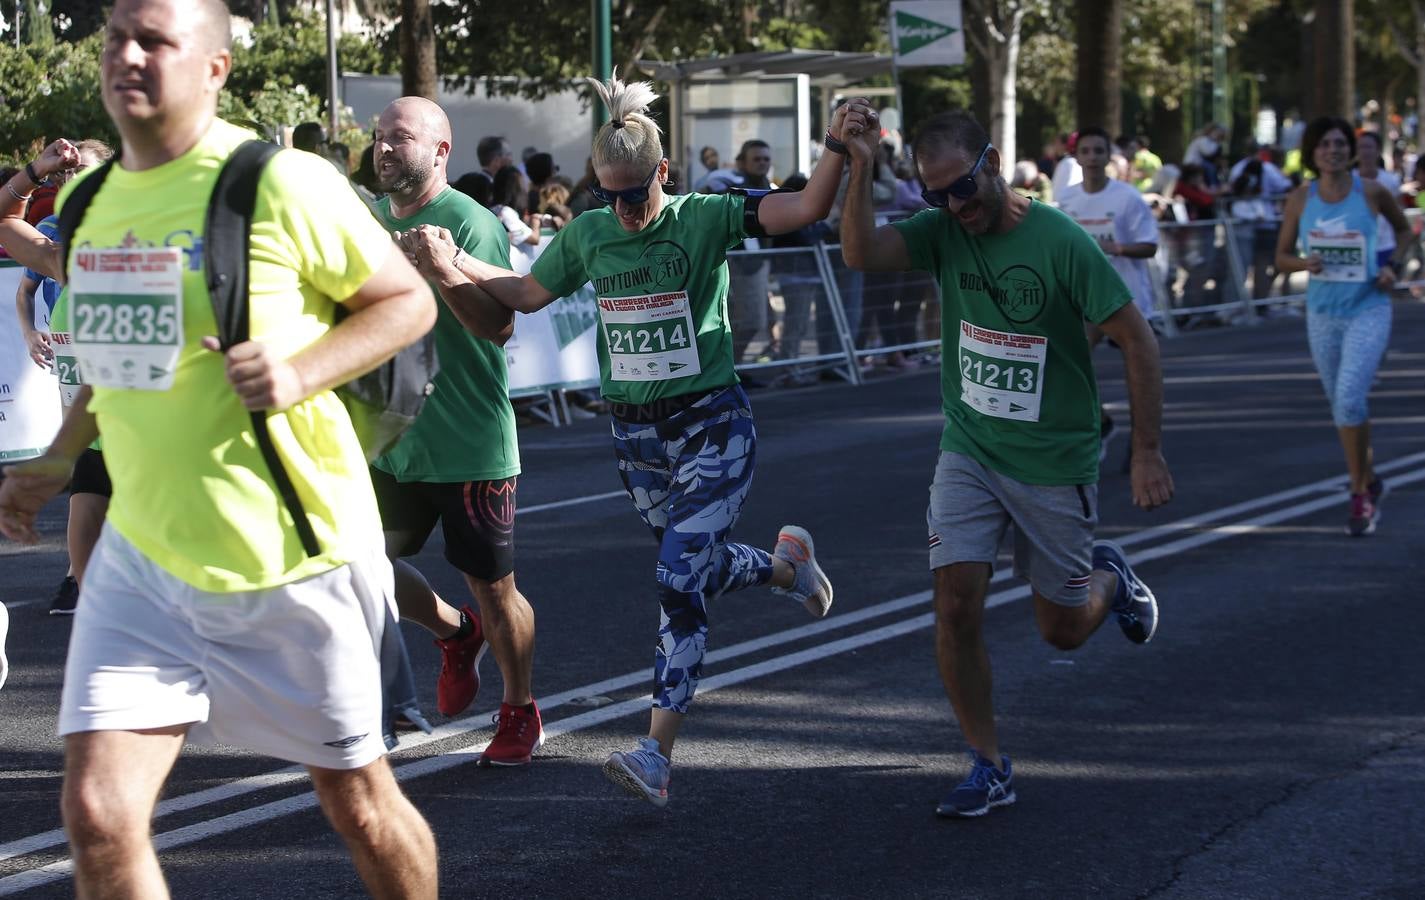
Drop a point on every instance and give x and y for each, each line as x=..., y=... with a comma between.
x=1332, y=220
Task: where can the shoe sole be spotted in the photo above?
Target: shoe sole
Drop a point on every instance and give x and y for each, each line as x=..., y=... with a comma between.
x=475, y=671
x=621, y=775
x=1152, y=599
x=1369, y=529
x=486, y=762
x=817, y=608
x=952, y=813
x=4, y=633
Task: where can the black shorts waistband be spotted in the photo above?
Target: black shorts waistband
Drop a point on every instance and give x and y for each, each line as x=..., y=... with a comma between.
x=658, y=410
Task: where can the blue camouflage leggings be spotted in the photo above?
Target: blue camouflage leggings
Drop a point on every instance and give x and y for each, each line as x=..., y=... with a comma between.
x=688, y=476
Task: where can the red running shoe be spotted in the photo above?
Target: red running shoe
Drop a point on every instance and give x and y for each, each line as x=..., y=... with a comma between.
x=459, y=680
x=1363, y=516
x=517, y=735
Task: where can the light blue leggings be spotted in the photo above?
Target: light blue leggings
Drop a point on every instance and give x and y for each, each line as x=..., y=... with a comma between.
x=1347, y=351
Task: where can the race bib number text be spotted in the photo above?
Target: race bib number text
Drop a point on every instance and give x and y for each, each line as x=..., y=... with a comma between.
x=127, y=316
x=650, y=337
x=1001, y=373
x=1344, y=255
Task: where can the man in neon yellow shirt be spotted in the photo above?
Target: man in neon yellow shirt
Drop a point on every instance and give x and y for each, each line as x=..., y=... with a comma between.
x=203, y=616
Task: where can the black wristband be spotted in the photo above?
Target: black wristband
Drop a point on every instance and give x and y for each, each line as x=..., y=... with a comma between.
x=31, y=174
x=833, y=144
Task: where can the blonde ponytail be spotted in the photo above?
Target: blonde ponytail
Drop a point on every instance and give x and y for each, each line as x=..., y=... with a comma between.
x=630, y=138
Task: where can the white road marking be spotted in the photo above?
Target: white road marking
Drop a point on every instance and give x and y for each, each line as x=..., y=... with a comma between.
x=265, y=812
x=573, y=501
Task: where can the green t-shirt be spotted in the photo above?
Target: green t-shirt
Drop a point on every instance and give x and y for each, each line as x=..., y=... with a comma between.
x=1016, y=381
x=466, y=430
x=66, y=366
x=662, y=294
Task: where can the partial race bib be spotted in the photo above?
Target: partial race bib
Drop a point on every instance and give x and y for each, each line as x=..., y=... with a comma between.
x=1344, y=254
x=66, y=366
x=1101, y=230
x=650, y=337
x=1001, y=373
x=126, y=316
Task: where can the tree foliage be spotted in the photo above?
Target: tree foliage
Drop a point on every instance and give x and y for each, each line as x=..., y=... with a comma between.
x=50, y=92
x=546, y=43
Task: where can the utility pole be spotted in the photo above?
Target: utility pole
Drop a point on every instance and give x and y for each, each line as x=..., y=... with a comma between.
x=602, y=51
x=1221, y=98
x=333, y=97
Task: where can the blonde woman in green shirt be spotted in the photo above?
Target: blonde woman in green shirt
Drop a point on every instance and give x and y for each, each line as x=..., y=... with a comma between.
x=682, y=425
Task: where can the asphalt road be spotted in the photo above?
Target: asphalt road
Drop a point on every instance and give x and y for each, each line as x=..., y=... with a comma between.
x=1270, y=742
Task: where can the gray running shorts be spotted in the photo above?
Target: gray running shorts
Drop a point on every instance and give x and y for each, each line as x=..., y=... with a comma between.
x=971, y=506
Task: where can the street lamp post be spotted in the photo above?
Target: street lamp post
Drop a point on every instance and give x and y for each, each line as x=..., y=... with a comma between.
x=333, y=99
x=602, y=51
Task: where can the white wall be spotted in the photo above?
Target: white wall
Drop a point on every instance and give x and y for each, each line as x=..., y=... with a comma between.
x=560, y=124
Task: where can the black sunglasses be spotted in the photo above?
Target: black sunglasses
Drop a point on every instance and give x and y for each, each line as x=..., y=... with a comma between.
x=962, y=188
x=630, y=196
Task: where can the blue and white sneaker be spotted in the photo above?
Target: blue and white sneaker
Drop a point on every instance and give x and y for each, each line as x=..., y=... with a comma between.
x=811, y=588
x=642, y=772
x=986, y=788
x=1134, y=605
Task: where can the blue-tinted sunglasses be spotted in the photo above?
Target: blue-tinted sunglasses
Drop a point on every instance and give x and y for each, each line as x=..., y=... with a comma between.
x=962, y=188
x=630, y=196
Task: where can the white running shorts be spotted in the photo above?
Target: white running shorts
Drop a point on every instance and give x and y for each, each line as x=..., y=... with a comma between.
x=291, y=672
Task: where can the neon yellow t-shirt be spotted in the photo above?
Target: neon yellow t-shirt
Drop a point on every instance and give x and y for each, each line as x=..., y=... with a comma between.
x=191, y=489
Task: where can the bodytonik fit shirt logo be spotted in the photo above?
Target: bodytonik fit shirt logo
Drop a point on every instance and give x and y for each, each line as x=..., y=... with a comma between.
x=1019, y=292
x=663, y=266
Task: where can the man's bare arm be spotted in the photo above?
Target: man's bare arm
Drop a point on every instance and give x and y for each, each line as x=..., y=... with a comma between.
x=863, y=245
x=391, y=310
x=433, y=252
x=1152, y=483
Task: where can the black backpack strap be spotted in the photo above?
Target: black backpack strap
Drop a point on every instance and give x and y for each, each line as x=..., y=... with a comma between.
x=75, y=206
x=227, y=235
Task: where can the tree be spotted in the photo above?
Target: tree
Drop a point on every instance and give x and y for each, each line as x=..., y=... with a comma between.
x=417, y=42
x=993, y=29
x=1334, y=64
x=1411, y=45
x=296, y=54
x=36, y=26
x=49, y=92
x=1100, y=73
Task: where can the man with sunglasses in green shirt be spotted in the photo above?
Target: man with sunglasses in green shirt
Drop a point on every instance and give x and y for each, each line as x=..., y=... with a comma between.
x=1020, y=445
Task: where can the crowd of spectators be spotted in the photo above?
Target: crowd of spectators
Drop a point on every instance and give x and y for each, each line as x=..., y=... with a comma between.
x=777, y=302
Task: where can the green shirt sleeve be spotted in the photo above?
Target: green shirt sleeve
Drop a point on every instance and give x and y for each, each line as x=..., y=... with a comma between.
x=918, y=232
x=560, y=267
x=485, y=239
x=729, y=210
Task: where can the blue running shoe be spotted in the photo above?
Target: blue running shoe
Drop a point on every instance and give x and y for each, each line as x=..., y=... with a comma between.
x=1134, y=605
x=642, y=772
x=986, y=788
